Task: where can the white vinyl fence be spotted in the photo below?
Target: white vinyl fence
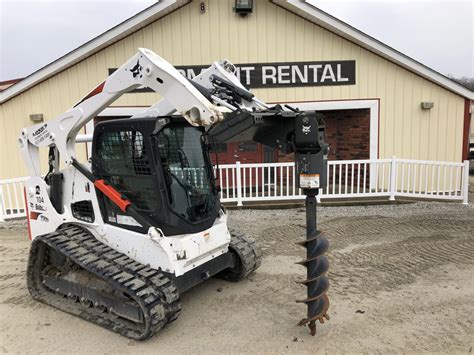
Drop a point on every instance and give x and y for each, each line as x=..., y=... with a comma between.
x=346, y=179
x=12, y=199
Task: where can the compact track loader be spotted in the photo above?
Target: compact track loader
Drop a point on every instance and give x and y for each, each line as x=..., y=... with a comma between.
x=117, y=239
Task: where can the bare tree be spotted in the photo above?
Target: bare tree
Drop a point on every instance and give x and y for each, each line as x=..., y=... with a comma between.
x=464, y=81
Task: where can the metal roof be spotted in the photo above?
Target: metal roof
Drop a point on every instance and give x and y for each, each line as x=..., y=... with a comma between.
x=300, y=7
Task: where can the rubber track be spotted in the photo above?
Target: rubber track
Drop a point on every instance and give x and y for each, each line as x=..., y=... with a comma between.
x=249, y=254
x=154, y=292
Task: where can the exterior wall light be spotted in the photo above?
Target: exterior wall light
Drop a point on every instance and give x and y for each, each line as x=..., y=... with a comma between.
x=36, y=117
x=243, y=7
x=427, y=105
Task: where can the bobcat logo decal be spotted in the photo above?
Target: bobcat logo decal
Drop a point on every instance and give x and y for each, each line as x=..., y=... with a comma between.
x=137, y=69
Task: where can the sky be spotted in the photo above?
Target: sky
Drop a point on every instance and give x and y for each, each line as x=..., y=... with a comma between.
x=439, y=34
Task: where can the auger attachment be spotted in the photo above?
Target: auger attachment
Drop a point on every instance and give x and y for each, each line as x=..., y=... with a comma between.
x=311, y=164
x=317, y=265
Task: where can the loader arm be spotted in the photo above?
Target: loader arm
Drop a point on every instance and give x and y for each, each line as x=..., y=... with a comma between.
x=144, y=69
x=205, y=82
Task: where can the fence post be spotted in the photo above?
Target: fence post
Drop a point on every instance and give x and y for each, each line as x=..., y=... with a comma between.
x=393, y=176
x=318, y=196
x=2, y=219
x=239, y=183
x=465, y=183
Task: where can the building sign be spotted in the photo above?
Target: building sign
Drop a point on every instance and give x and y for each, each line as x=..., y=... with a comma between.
x=291, y=74
x=262, y=75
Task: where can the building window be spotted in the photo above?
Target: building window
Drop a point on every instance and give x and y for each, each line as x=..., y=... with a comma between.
x=219, y=147
x=247, y=146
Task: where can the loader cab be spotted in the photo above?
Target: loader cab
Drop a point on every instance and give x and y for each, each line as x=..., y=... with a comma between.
x=162, y=166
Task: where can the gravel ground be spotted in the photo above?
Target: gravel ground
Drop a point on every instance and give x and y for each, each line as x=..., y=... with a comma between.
x=401, y=281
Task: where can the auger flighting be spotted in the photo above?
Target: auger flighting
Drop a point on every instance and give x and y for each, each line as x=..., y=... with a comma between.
x=317, y=265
